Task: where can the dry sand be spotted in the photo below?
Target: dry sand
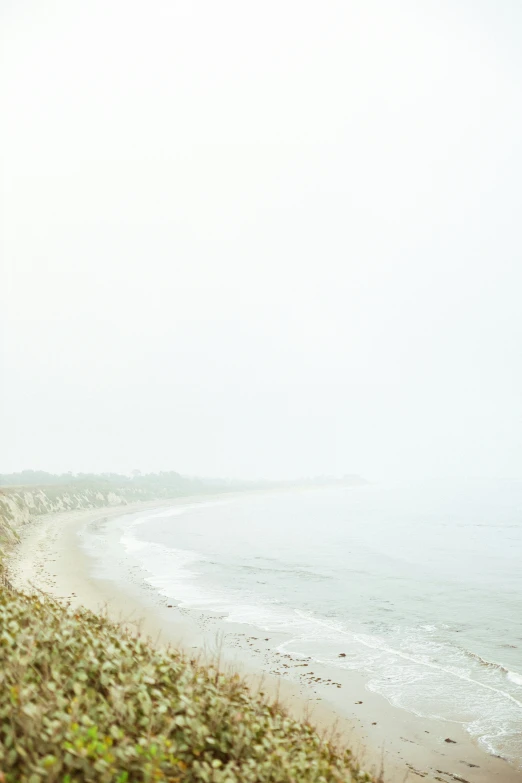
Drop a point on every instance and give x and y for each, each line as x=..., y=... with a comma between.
x=50, y=558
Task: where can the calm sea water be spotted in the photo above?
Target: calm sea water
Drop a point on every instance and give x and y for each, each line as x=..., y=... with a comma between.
x=419, y=585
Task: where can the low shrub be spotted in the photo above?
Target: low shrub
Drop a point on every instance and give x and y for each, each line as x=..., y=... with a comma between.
x=81, y=699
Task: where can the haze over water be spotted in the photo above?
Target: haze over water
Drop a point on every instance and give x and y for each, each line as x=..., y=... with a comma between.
x=279, y=240
x=418, y=585
x=261, y=240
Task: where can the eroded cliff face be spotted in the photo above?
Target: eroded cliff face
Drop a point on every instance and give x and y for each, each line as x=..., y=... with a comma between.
x=20, y=505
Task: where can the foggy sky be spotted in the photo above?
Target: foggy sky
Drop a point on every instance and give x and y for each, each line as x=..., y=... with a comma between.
x=261, y=239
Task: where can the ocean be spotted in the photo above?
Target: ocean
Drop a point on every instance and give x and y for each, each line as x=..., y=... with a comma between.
x=417, y=586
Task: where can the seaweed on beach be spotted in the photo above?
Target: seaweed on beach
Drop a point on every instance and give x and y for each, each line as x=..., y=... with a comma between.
x=83, y=699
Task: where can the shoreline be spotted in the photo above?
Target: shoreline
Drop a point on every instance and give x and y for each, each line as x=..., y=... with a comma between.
x=51, y=558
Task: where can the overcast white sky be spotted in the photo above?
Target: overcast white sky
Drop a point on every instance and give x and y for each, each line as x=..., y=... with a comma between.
x=261, y=239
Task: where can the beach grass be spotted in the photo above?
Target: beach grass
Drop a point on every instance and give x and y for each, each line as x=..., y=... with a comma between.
x=85, y=699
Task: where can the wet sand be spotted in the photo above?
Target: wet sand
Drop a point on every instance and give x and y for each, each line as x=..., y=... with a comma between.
x=50, y=557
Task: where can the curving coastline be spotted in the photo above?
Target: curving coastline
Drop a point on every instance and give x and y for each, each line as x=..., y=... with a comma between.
x=51, y=557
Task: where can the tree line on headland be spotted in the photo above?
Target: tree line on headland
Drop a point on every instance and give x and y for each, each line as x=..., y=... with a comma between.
x=164, y=479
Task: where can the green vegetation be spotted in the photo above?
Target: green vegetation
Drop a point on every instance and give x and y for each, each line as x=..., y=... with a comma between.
x=166, y=480
x=166, y=483
x=81, y=699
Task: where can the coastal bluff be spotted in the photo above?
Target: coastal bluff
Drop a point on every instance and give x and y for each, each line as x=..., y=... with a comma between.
x=30, y=494
x=20, y=505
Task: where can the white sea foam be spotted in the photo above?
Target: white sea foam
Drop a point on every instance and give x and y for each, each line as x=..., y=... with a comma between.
x=425, y=668
x=514, y=677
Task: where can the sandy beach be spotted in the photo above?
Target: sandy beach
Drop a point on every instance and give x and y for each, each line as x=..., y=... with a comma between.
x=51, y=558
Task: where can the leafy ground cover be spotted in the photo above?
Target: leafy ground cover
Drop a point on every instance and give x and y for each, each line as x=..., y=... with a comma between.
x=82, y=699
